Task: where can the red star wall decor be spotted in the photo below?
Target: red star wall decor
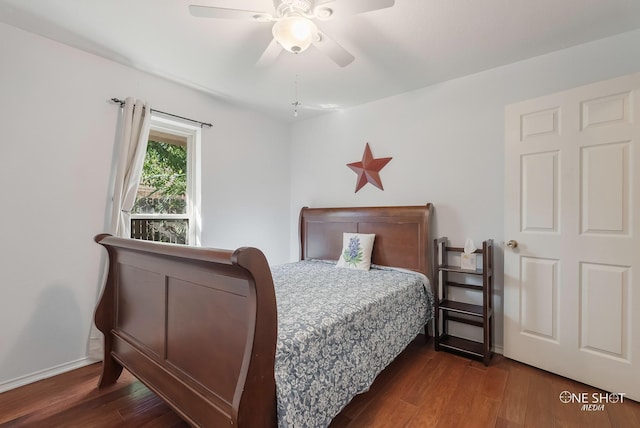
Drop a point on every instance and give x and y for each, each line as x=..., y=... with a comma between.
x=368, y=169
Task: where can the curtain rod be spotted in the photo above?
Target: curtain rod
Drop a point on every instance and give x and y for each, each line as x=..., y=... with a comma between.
x=202, y=124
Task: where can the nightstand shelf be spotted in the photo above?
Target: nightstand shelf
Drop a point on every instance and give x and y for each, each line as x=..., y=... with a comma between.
x=458, y=270
x=465, y=346
x=450, y=310
x=461, y=308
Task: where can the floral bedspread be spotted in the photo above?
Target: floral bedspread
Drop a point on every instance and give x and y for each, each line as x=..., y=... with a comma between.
x=337, y=329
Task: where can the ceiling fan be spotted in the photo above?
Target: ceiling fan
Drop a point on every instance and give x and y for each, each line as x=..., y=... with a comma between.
x=293, y=28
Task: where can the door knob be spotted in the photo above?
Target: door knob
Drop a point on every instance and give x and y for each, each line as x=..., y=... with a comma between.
x=512, y=244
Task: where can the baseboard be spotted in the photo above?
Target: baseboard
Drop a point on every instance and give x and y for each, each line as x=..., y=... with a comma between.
x=43, y=374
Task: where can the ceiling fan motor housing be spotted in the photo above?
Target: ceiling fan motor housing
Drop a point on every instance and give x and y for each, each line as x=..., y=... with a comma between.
x=285, y=7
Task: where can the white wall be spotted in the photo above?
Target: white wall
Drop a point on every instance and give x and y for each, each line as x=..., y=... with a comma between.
x=57, y=133
x=56, y=147
x=446, y=141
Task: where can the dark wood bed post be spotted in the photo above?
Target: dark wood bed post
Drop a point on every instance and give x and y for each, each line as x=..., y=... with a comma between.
x=430, y=266
x=104, y=319
x=258, y=399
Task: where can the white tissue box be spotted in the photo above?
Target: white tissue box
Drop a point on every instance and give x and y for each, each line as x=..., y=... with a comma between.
x=468, y=261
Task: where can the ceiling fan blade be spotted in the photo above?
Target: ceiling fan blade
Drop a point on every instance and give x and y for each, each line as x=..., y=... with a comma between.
x=333, y=50
x=353, y=7
x=270, y=54
x=223, y=13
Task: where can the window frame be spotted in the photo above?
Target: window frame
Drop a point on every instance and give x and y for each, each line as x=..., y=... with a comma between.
x=193, y=135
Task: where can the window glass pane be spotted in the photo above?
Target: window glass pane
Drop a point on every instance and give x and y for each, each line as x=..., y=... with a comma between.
x=160, y=212
x=163, y=186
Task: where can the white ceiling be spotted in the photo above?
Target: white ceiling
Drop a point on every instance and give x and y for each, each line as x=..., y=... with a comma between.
x=413, y=44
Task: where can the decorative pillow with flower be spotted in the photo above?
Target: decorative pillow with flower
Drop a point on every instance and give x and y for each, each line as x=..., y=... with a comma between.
x=356, y=251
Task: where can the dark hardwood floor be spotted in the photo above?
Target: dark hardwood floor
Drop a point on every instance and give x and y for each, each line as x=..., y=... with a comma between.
x=422, y=388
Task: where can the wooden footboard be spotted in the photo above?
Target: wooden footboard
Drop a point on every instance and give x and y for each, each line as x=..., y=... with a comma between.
x=197, y=326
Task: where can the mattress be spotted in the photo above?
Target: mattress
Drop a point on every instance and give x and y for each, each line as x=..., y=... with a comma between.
x=337, y=330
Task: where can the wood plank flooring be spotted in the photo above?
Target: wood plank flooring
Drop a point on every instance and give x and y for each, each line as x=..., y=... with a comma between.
x=421, y=388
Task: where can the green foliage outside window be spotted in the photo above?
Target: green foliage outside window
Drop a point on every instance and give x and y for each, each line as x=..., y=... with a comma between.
x=165, y=172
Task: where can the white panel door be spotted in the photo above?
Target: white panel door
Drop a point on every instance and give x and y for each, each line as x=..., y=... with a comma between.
x=572, y=205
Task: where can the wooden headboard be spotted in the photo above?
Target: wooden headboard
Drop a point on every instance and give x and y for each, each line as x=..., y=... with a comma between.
x=403, y=235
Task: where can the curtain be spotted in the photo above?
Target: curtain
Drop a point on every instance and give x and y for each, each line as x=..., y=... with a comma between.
x=133, y=148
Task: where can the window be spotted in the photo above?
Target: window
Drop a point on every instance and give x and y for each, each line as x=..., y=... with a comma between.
x=168, y=204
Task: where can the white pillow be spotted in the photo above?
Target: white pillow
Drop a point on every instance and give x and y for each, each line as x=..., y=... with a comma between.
x=356, y=251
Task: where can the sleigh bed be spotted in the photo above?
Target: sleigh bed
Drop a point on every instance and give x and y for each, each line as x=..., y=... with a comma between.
x=206, y=330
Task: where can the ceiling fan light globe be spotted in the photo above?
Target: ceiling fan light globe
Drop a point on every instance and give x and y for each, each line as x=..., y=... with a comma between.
x=295, y=33
x=301, y=30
